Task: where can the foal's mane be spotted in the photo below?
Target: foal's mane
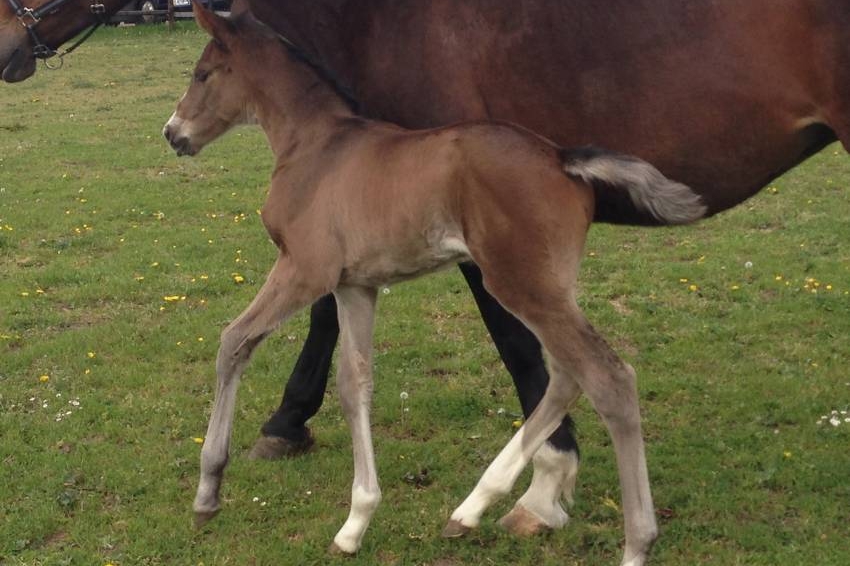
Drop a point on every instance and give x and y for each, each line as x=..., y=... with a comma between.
x=326, y=75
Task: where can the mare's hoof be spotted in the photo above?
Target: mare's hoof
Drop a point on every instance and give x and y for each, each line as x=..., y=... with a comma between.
x=276, y=447
x=522, y=522
x=335, y=550
x=455, y=529
x=204, y=517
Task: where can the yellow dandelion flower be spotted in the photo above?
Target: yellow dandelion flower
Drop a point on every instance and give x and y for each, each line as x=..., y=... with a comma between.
x=25, y=294
x=734, y=287
x=44, y=378
x=238, y=278
x=693, y=288
x=171, y=298
x=198, y=440
x=683, y=280
x=517, y=423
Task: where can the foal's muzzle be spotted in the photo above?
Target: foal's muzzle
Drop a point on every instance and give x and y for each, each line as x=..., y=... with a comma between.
x=180, y=143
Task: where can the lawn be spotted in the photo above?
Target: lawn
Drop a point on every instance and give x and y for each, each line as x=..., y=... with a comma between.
x=121, y=263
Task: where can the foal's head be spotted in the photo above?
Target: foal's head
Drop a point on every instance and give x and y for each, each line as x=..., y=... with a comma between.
x=218, y=97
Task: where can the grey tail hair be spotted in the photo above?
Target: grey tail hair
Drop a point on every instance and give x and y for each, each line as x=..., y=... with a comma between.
x=630, y=190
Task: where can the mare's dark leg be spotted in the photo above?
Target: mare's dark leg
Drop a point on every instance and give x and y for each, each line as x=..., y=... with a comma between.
x=556, y=463
x=285, y=433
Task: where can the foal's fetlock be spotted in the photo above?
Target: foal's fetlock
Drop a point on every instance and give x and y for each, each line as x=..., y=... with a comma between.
x=207, y=503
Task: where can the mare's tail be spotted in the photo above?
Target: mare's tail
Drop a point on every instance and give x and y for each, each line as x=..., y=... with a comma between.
x=630, y=190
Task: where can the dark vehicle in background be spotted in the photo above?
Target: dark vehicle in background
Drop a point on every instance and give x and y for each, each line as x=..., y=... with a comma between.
x=155, y=9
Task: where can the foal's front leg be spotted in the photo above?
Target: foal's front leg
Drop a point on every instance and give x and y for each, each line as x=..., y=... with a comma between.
x=280, y=297
x=356, y=307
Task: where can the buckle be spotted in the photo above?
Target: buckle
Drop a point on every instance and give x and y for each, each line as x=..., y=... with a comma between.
x=42, y=51
x=28, y=12
x=98, y=9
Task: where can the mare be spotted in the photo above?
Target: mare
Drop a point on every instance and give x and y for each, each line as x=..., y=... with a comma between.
x=723, y=95
x=355, y=204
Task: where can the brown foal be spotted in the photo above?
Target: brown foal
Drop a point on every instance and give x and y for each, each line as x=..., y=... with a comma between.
x=355, y=204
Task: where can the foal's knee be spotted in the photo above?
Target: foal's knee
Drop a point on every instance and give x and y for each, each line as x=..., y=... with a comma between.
x=235, y=349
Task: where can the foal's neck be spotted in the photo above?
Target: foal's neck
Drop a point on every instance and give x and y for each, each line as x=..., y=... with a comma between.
x=297, y=109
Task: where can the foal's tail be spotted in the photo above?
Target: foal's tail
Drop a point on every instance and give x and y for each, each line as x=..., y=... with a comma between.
x=630, y=190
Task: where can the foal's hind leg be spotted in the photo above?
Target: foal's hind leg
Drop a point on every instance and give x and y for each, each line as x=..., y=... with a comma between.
x=556, y=462
x=611, y=386
x=280, y=297
x=356, y=307
x=499, y=477
x=579, y=358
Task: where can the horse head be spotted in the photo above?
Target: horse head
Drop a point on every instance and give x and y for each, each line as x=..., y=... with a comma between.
x=17, y=61
x=215, y=100
x=34, y=29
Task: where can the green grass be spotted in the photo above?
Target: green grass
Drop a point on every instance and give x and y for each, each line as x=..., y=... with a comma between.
x=99, y=221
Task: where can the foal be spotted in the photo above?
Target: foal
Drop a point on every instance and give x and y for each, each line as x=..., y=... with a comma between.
x=355, y=204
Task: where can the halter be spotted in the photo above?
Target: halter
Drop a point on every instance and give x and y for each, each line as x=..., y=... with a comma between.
x=30, y=17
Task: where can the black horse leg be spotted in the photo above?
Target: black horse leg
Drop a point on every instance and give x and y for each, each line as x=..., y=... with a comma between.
x=285, y=433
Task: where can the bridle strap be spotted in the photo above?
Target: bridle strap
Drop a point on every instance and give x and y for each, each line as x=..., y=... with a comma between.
x=30, y=17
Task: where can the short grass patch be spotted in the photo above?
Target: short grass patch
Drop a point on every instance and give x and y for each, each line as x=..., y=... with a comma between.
x=121, y=263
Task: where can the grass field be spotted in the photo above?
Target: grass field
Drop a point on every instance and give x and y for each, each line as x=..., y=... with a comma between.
x=121, y=263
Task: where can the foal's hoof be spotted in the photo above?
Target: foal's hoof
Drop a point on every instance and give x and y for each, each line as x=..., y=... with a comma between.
x=522, y=522
x=335, y=550
x=455, y=529
x=276, y=447
x=204, y=517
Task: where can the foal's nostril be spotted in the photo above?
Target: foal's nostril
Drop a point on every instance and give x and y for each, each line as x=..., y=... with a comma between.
x=166, y=131
x=182, y=145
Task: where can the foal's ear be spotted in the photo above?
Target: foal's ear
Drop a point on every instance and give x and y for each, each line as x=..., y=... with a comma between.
x=219, y=28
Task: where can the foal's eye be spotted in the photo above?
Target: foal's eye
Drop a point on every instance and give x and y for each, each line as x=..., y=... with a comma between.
x=201, y=76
